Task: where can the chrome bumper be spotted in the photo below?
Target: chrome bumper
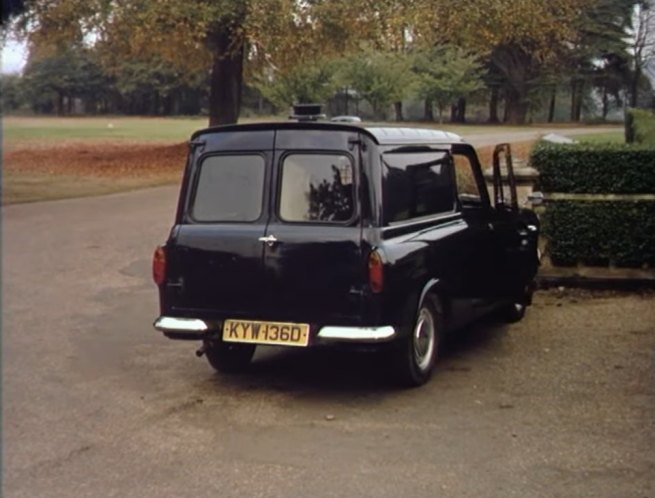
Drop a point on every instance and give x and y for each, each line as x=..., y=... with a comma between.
x=195, y=328
x=357, y=334
x=182, y=328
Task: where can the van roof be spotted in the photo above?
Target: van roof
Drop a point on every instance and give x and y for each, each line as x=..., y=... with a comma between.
x=382, y=135
x=394, y=136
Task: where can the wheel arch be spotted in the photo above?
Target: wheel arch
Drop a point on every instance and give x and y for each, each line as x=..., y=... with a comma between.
x=437, y=288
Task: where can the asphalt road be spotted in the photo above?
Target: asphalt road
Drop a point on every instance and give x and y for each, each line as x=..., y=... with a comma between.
x=97, y=404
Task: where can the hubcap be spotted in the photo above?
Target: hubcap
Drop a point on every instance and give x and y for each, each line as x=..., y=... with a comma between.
x=424, y=339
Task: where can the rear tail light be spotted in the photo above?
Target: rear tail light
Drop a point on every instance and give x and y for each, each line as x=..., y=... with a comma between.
x=375, y=272
x=159, y=265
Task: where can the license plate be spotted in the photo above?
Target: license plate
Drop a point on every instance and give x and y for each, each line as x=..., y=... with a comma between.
x=276, y=333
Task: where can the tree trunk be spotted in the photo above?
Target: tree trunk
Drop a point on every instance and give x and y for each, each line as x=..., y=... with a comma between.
x=606, y=104
x=634, y=87
x=551, y=106
x=516, y=108
x=453, y=113
x=398, y=108
x=345, y=101
x=226, y=81
x=154, y=109
x=629, y=127
x=493, y=105
x=460, y=114
x=428, y=112
x=60, y=103
x=577, y=87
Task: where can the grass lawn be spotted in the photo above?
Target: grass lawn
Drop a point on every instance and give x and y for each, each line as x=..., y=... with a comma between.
x=17, y=130
x=614, y=137
x=27, y=130
x=18, y=187
x=48, y=158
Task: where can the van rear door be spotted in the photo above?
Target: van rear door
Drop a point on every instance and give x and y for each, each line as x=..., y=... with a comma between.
x=215, y=255
x=313, y=250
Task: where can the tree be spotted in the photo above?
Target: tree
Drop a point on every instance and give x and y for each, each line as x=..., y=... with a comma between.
x=189, y=36
x=306, y=83
x=642, y=44
x=446, y=74
x=611, y=78
x=599, y=47
x=11, y=92
x=11, y=8
x=381, y=78
x=519, y=39
x=228, y=39
x=55, y=81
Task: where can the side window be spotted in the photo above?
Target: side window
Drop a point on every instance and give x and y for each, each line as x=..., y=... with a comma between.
x=417, y=184
x=467, y=187
x=317, y=187
x=229, y=188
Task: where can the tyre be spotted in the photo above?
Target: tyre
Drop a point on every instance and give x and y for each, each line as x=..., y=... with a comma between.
x=418, y=352
x=512, y=312
x=229, y=357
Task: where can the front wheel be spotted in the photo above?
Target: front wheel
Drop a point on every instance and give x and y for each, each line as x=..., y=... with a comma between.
x=418, y=353
x=229, y=357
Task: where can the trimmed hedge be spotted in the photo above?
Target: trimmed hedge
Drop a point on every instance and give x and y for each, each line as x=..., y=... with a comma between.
x=594, y=169
x=600, y=233
x=643, y=123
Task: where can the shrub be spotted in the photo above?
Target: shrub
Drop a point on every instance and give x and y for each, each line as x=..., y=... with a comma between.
x=599, y=233
x=595, y=169
x=643, y=123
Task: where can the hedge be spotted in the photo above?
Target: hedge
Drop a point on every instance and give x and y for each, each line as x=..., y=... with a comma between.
x=597, y=231
x=643, y=123
x=601, y=233
x=595, y=169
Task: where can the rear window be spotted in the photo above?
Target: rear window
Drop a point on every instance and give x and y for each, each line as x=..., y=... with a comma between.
x=317, y=188
x=229, y=188
x=417, y=184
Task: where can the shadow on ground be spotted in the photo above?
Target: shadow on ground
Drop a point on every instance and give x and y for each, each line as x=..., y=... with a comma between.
x=345, y=370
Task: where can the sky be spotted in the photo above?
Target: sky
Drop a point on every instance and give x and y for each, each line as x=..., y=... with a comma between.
x=13, y=56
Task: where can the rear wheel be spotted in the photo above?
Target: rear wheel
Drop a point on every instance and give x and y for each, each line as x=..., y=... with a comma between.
x=418, y=353
x=513, y=312
x=229, y=357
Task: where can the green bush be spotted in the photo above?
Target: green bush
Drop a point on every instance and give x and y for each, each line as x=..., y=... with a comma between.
x=644, y=127
x=599, y=233
x=594, y=169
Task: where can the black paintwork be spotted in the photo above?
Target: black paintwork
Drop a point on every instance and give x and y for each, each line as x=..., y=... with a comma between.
x=476, y=257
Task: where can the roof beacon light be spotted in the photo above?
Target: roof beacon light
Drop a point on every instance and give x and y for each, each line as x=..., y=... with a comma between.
x=307, y=112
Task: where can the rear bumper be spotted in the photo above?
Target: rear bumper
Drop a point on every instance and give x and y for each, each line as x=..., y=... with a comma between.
x=357, y=334
x=182, y=328
x=197, y=329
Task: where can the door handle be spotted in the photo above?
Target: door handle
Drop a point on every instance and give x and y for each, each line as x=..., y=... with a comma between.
x=269, y=240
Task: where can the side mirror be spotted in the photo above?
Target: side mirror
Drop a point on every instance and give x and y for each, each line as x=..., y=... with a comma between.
x=535, y=198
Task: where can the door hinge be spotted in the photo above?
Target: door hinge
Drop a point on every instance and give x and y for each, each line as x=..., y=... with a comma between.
x=352, y=142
